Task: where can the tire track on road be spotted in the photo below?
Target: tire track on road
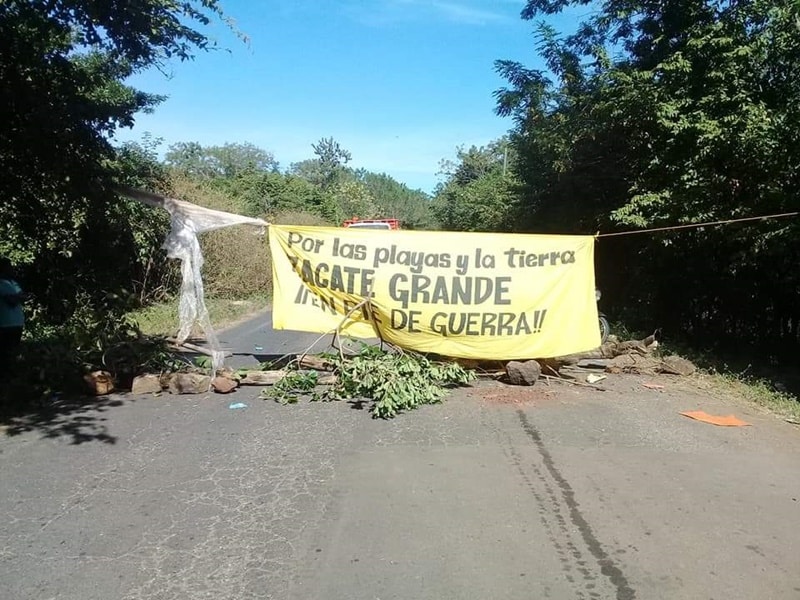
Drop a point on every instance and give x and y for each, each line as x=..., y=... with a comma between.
x=607, y=566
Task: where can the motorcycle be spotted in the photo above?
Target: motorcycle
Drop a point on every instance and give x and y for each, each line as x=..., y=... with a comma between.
x=605, y=327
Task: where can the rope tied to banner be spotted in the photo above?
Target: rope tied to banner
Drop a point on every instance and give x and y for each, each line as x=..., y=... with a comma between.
x=698, y=225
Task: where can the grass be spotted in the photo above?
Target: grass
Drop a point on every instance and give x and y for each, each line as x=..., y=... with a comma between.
x=162, y=318
x=766, y=387
x=761, y=392
x=726, y=380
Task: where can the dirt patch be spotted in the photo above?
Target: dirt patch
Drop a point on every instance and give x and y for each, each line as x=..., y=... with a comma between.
x=650, y=365
x=511, y=394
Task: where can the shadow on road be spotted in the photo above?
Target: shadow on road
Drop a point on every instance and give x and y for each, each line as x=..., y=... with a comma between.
x=80, y=419
x=359, y=404
x=269, y=361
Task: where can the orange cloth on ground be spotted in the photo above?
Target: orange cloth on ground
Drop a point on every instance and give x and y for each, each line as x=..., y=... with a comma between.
x=727, y=421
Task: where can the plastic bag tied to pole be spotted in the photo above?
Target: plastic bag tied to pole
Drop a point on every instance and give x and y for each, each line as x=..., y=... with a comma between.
x=187, y=221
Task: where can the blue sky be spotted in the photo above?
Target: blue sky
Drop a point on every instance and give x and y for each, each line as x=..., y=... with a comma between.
x=399, y=83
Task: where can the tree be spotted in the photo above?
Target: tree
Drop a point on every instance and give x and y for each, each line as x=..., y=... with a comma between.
x=360, y=193
x=693, y=119
x=332, y=159
x=353, y=199
x=267, y=194
x=228, y=160
x=309, y=170
x=395, y=200
x=62, y=70
x=480, y=191
x=190, y=159
x=477, y=162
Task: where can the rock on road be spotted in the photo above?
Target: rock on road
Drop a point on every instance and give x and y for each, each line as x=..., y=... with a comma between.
x=546, y=492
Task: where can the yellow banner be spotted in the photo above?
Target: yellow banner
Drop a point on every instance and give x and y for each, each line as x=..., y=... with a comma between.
x=466, y=295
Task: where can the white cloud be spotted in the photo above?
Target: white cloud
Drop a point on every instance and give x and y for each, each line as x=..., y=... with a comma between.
x=461, y=12
x=467, y=14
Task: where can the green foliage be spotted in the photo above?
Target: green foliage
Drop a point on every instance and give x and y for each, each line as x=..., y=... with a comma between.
x=332, y=161
x=329, y=167
x=485, y=204
x=83, y=255
x=323, y=186
x=661, y=114
x=54, y=358
x=353, y=199
x=151, y=275
x=394, y=382
x=476, y=162
x=63, y=68
x=481, y=190
x=203, y=362
x=229, y=160
x=144, y=34
x=263, y=194
x=294, y=385
x=397, y=382
x=396, y=200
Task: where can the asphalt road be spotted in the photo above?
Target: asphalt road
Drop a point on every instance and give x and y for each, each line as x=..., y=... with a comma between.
x=550, y=492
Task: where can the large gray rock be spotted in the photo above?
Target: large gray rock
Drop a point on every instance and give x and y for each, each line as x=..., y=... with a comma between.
x=523, y=373
x=146, y=384
x=189, y=383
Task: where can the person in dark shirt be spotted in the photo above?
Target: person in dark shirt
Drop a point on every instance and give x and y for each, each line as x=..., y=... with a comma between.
x=12, y=316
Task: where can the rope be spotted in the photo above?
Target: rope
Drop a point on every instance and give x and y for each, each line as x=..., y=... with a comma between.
x=696, y=225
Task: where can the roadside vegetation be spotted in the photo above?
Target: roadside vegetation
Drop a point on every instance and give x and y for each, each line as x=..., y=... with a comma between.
x=646, y=116
x=390, y=381
x=161, y=318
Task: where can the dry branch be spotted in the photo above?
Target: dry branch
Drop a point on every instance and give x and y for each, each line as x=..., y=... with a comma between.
x=610, y=349
x=262, y=377
x=265, y=378
x=310, y=361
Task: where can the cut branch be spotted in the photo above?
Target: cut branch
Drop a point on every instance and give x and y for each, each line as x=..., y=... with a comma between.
x=610, y=349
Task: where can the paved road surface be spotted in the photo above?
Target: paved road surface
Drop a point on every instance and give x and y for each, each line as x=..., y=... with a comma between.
x=553, y=492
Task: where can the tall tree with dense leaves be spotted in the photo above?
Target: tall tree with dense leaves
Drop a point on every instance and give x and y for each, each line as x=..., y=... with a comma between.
x=332, y=159
x=666, y=113
x=62, y=71
x=479, y=191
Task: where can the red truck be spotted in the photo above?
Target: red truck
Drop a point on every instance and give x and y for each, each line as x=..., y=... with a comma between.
x=372, y=223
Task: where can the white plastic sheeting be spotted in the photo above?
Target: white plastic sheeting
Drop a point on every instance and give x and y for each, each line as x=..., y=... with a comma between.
x=187, y=221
